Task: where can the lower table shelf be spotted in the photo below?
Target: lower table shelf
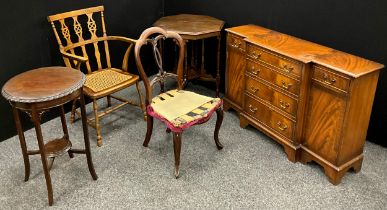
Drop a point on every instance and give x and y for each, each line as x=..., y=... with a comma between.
x=57, y=147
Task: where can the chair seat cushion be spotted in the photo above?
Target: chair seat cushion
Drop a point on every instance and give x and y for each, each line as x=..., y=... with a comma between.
x=180, y=109
x=105, y=79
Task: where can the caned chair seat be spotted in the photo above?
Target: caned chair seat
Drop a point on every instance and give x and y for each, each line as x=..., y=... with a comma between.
x=103, y=82
x=180, y=109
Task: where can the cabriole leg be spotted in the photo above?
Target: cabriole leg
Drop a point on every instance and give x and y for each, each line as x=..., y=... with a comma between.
x=219, y=120
x=149, y=122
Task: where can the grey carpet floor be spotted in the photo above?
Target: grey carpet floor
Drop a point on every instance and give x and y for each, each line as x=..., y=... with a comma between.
x=251, y=172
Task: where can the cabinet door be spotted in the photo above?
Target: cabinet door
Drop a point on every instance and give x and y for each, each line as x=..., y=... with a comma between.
x=324, y=122
x=235, y=71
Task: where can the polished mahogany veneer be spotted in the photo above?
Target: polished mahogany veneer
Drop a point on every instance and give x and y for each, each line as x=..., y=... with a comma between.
x=313, y=100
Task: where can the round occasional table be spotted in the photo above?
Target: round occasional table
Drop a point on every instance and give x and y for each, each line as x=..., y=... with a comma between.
x=194, y=29
x=35, y=92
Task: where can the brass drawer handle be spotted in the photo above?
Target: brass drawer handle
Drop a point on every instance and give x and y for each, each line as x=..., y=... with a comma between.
x=254, y=89
x=284, y=104
x=252, y=109
x=284, y=85
x=328, y=80
x=256, y=55
x=236, y=44
x=287, y=68
x=255, y=71
x=282, y=126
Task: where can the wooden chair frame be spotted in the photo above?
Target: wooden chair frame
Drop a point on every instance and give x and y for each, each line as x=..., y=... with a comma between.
x=160, y=79
x=75, y=61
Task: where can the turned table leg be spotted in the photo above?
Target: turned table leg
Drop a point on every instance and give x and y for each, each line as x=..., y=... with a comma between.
x=86, y=137
x=36, y=121
x=16, y=116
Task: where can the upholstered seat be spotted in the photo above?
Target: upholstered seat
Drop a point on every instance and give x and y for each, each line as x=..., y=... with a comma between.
x=180, y=109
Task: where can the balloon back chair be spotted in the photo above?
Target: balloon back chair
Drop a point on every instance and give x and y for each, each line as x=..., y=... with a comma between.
x=103, y=80
x=178, y=109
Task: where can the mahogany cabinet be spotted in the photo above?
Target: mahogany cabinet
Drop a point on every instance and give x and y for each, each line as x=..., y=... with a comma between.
x=313, y=100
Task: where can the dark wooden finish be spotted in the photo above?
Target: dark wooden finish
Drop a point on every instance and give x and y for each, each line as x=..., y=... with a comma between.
x=71, y=25
x=35, y=92
x=314, y=100
x=158, y=35
x=176, y=151
x=194, y=29
x=219, y=120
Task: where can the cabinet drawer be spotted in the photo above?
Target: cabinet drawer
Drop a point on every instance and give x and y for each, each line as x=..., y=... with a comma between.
x=286, y=65
x=327, y=77
x=277, y=79
x=260, y=71
x=267, y=93
x=287, y=84
x=258, y=89
x=282, y=125
x=257, y=110
x=236, y=42
x=269, y=117
x=285, y=103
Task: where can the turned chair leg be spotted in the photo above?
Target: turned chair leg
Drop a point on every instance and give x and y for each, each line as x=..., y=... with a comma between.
x=149, y=122
x=142, y=106
x=219, y=120
x=176, y=150
x=97, y=127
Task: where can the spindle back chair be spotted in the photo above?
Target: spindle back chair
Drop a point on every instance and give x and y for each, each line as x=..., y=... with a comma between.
x=75, y=45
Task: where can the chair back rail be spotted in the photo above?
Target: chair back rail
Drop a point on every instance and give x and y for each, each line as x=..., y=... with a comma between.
x=153, y=36
x=63, y=19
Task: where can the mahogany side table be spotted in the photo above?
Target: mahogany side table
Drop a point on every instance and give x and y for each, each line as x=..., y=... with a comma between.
x=193, y=28
x=35, y=92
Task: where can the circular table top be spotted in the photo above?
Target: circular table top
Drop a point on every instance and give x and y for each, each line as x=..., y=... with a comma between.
x=186, y=24
x=43, y=84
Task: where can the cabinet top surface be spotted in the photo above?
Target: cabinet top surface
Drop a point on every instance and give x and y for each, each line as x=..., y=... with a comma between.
x=190, y=24
x=306, y=51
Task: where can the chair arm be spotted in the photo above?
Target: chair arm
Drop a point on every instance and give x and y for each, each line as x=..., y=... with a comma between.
x=73, y=57
x=78, y=60
x=121, y=38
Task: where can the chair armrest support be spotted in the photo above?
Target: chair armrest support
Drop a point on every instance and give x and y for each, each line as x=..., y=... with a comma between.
x=73, y=57
x=131, y=43
x=78, y=60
